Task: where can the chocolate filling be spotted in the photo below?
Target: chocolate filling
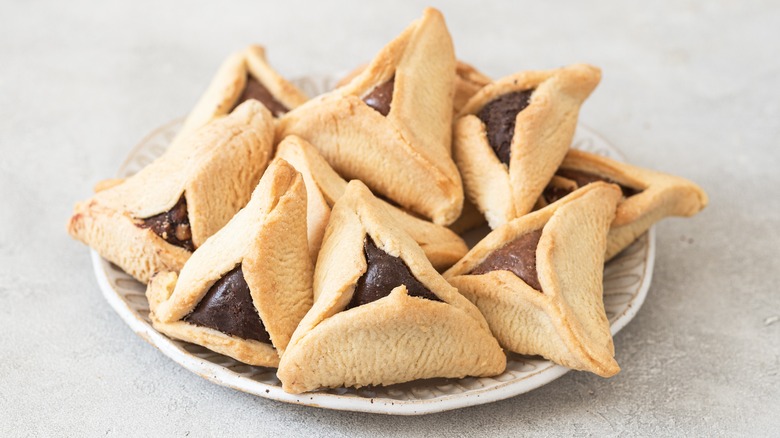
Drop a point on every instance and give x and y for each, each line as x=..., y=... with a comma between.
x=172, y=225
x=381, y=97
x=385, y=273
x=228, y=308
x=499, y=117
x=517, y=257
x=552, y=193
x=254, y=89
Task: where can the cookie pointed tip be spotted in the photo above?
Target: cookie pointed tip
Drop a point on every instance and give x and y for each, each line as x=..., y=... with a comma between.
x=431, y=14
x=590, y=68
x=612, y=189
x=695, y=197
x=256, y=49
x=289, y=172
x=430, y=11
x=702, y=197
x=608, y=369
x=357, y=186
x=250, y=109
x=586, y=75
x=291, y=139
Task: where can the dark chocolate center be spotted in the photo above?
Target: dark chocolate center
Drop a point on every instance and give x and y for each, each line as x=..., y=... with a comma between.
x=228, y=308
x=381, y=97
x=553, y=193
x=173, y=225
x=254, y=89
x=499, y=117
x=518, y=257
x=385, y=273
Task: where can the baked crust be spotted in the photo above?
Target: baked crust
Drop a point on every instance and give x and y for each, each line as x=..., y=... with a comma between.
x=268, y=240
x=227, y=85
x=468, y=80
x=214, y=169
x=660, y=195
x=565, y=321
x=543, y=133
x=394, y=339
x=404, y=156
x=324, y=187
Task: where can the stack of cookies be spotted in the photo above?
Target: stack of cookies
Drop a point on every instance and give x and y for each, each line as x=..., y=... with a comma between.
x=318, y=236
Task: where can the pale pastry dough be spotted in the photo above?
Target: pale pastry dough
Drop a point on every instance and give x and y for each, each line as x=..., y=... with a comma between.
x=267, y=239
x=214, y=169
x=543, y=133
x=228, y=85
x=659, y=195
x=405, y=155
x=324, y=186
x=394, y=339
x=565, y=321
x=468, y=80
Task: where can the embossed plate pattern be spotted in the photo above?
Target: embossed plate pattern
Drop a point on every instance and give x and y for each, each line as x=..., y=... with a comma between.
x=626, y=281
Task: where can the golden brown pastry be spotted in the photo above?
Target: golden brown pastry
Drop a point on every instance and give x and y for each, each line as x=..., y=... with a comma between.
x=390, y=127
x=381, y=313
x=324, y=187
x=468, y=80
x=153, y=220
x=648, y=196
x=513, y=134
x=244, y=75
x=246, y=289
x=538, y=281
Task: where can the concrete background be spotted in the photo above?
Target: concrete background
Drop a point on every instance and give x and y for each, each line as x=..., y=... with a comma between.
x=689, y=88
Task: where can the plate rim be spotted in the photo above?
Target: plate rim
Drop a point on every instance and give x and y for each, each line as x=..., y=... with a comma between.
x=224, y=376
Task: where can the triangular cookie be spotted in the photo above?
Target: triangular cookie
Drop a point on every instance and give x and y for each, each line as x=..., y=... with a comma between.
x=538, y=281
x=244, y=291
x=244, y=75
x=513, y=134
x=382, y=314
x=324, y=187
x=153, y=220
x=648, y=196
x=390, y=127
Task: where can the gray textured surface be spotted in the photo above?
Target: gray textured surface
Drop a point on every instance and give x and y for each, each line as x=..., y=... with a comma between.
x=689, y=88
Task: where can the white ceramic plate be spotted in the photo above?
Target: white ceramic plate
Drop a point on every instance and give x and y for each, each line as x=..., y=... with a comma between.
x=626, y=281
